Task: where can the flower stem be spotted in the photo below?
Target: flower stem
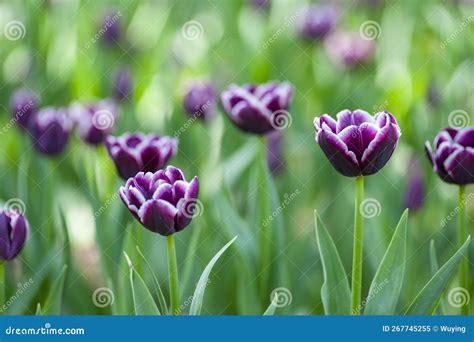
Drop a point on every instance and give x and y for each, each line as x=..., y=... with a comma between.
x=463, y=267
x=265, y=225
x=358, y=245
x=2, y=286
x=173, y=274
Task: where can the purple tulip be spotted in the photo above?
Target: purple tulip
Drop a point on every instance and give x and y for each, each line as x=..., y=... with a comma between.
x=94, y=121
x=415, y=192
x=258, y=109
x=453, y=155
x=123, y=85
x=163, y=202
x=263, y=5
x=357, y=143
x=13, y=233
x=349, y=49
x=274, y=151
x=133, y=153
x=50, y=128
x=110, y=27
x=23, y=105
x=318, y=21
x=199, y=100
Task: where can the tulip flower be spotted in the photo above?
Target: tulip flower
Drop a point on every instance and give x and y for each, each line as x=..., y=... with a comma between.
x=348, y=49
x=199, y=100
x=111, y=27
x=123, y=85
x=415, y=192
x=258, y=109
x=317, y=22
x=132, y=153
x=357, y=144
x=94, y=121
x=50, y=128
x=13, y=233
x=452, y=157
x=23, y=105
x=164, y=203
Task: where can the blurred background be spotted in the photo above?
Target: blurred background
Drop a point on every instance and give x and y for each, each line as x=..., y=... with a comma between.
x=412, y=58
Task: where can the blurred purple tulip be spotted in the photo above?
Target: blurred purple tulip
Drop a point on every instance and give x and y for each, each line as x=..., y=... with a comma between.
x=94, y=121
x=415, y=192
x=349, y=49
x=357, y=143
x=163, y=202
x=317, y=21
x=453, y=155
x=132, y=153
x=258, y=109
x=275, y=151
x=123, y=84
x=110, y=27
x=50, y=128
x=23, y=104
x=200, y=101
x=263, y=5
x=13, y=234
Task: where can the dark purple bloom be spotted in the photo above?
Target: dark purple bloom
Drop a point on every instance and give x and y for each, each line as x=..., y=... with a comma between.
x=453, y=155
x=123, y=85
x=357, y=143
x=94, y=121
x=260, y=4
x=50, y=128
x=13, y=233
x=133, y=153
x=258, y=109
x=23, y=105
x=318, y=21
x=163, y=201
x=348, y=49
x=275, y=151
x=199, y=100
x=110, y=27
x=415, y=192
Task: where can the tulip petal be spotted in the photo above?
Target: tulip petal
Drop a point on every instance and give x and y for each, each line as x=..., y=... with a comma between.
x=164, y=192
x=380, y=149
x=158, y=216
x=465, y=137
x=18, y=234
x=347, y=118
x=127, y=164
x=338, y=154
x=4, y=236
x=192, y=190
x=460, y=165
x=174, y=174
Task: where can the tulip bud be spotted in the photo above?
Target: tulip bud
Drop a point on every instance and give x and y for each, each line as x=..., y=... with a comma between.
x=123, y=85
x=50, y=129
x=13, y=234
x=23, y=105
x=349, y=49
x=415, y=192
x=199, y=100
x=317, y=22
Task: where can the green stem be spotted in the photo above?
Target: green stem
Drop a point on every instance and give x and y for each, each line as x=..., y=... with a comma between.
x=358, y=245
x=463, y=267
x=173, y=274
x=265, y=225
x=2, y=286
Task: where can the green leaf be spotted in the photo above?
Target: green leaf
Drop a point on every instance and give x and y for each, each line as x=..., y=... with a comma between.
x=143, y=301
x=52, y=304
x=159, y=292
x=428, y=298
x=335, y=292
x=388, y=280
x=434, y=269
x=198, y=296
x=38, y=310
x=272, y=307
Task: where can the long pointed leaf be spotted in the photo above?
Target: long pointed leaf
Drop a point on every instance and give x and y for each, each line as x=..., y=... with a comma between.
x=272, y=307
x=335, y=292
x=434, y=269
x=52, y=304
x=428, y=298
x=388, y=280
x=198, y=296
